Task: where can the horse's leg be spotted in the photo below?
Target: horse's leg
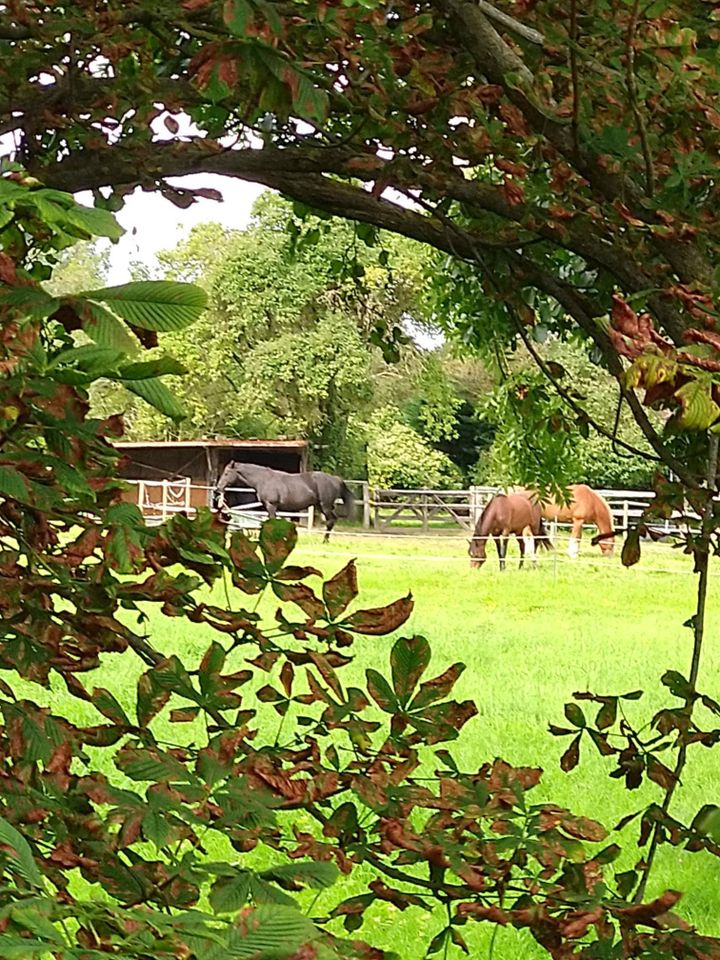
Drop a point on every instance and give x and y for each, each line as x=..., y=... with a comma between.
x=501, y=542
x=330, y=517
x=574, y=542
x=528, y=540
x=271, y=510
x=521, y=545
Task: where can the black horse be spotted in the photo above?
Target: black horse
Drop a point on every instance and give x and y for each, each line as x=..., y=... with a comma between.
x=289, y=492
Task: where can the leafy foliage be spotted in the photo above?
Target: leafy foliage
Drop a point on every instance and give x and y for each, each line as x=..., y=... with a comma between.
x=112, y=818
x=536, y=427
x=398, y=457
x=566, y=202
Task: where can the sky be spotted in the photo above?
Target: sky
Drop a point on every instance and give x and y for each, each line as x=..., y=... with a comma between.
x=153, y=223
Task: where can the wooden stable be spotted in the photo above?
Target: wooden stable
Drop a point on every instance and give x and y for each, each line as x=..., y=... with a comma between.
x=168, y=477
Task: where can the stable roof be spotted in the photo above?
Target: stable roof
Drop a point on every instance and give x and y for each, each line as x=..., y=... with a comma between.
x=138, y=444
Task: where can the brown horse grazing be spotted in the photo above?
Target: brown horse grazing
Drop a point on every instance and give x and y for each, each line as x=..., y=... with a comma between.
x=503, y=515
x=585, y=506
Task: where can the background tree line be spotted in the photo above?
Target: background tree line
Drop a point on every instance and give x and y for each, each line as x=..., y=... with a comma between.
x=327, y=331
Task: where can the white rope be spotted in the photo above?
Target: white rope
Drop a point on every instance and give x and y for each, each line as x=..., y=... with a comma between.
x=548, y=562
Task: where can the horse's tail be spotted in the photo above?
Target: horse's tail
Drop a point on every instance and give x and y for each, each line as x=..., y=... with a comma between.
x=347, y=498
x=543, y=537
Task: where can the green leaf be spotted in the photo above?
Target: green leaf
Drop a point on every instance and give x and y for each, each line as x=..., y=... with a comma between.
x=94, y=221
x=574, y=714
x=343, y=823
x=13, y=484
x=267, y=931
x=35, y=302
x=677, y=685
x=153, y=765
x=18, y=948
x=699, y=410
x=263, y=892
x=11, y=191
x=379, y=689
x=236, y=14
x=108, y=706
x=230, y=894
x=160, y=305
x=154, y=392
x=170, y=674
x=409, y=659
x=92, y=359
x=156, y=828
x=162, y=366
x=311, y=873
x=20, y=854
x=103, y=326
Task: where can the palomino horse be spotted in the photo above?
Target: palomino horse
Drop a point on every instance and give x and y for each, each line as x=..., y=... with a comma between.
x=278, y=490
x=584, y=506
x=503, y=515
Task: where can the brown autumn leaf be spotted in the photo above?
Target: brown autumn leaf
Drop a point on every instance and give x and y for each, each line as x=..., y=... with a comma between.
x=479, y=912
x=578, y=924
x=647, y=913
x=303, y=596
x=398, y=898
x=659, y=773
x=340, y=590
x=378, y=621
x=571, y=757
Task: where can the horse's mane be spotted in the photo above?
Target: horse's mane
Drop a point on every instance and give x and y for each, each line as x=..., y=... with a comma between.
x=604, y=511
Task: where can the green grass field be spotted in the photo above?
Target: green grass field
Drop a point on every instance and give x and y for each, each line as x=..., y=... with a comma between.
x=529, y=639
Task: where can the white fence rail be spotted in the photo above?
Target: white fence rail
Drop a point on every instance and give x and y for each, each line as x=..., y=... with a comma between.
x=425, y=510
x=160, y=499
x=433, y=509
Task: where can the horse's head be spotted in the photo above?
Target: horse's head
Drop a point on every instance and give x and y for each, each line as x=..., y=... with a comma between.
x=230, y=475
x=477, y=552
x=607, y=547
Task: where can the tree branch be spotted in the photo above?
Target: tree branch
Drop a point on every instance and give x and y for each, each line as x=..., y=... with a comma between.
x=581, y=312
x=610, y=434
x=503, y=66
x=13, y=31
x=633, y=96
x=511, y=24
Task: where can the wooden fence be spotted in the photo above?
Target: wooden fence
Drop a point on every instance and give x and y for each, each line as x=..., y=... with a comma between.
x=382, y=510
x=438, y=509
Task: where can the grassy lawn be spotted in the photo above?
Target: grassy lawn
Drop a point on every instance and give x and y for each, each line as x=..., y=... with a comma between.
x=529, y=639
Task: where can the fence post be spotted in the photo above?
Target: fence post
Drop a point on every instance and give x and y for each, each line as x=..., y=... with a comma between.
x=425, y=513
x=164, y=499
x=626, y=514
x=141, y=496
x=475, y=506
x=366, y=504
x=310, y=517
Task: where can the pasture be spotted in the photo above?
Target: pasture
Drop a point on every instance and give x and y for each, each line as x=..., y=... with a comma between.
x=529, y=639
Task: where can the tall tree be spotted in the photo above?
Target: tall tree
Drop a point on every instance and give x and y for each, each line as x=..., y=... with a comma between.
x=564, y=161
x=286, y=344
